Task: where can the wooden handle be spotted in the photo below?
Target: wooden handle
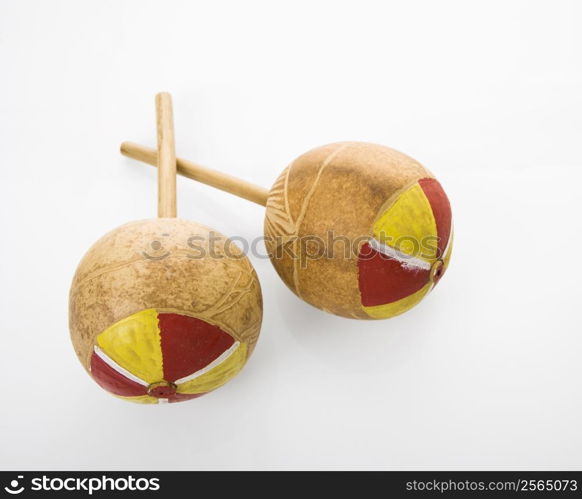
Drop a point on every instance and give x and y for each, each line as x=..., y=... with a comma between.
x=201, y=174
x=166, y=157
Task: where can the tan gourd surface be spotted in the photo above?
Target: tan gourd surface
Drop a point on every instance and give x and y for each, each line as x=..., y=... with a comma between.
x=123, y=274
x=344, y=187
x=347, y=196
x=164, y=309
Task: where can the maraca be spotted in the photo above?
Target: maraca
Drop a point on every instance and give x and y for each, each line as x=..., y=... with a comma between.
x=164, y=310
x=359, y=230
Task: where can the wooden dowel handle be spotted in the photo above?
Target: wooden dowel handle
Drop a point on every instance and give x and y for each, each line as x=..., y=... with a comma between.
x=201, y=174
x=166, y=157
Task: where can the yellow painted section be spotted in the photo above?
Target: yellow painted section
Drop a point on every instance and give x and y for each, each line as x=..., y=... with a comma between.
x=218, y=375
x=397, y=307
x=141, y=399
x=409, y=219
x=134, y=343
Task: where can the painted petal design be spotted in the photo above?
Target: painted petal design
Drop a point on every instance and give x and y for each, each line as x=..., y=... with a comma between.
x=385, y=280
x=189, y=344
x=134, y=344
x=410, y=236
x=218, y=375
x=113, y=381
x=152, y=357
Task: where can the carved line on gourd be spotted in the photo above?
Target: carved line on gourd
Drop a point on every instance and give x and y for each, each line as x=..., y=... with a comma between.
x=231, y=293
x=279, y=214
x=235, y=294
x=248, y=335
x=120, y=265
x=105, y=270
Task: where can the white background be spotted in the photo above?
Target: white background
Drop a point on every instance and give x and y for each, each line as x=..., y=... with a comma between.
x=485, y=374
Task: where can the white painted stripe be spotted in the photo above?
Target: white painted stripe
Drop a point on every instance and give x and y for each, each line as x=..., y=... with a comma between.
x=219, y=360
x=407, y=261
x=114, y=365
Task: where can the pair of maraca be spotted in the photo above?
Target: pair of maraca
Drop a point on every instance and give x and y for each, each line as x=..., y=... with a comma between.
x=165, y=310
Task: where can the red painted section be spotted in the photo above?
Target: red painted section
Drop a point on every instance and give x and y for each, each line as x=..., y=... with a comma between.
x=384, y=280
x=179, y=397
x=112, y=381
x=189, y=344
x=441, y=210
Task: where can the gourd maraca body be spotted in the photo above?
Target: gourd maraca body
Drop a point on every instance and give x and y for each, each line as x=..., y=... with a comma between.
x=164, y=310
x=390, y=213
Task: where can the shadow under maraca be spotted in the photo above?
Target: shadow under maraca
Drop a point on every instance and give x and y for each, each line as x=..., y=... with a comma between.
x=353, y=346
